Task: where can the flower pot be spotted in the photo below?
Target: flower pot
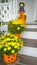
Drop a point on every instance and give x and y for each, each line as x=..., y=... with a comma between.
x=18, y=35
x=10, y=59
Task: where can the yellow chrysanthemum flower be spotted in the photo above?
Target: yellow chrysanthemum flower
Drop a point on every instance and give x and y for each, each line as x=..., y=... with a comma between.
x=16, y=46
x=0, y=46
x=3, y=41
x=7, y=39
x=8, y=34
x=21, y=45
x=13, y=51
x=18, y=28
x=9, y=43
x=16, y=21
x=15, y=38
x=6, y=44
x=5, y=49
x=2, y=37
x=13, y=43
x=9, y=48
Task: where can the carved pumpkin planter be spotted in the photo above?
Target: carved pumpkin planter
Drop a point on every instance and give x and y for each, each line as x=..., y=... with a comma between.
x=18, y=35
x=10, y=59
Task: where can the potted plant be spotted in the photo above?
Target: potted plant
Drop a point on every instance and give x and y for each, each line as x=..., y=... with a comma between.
x=9, y=46
x=16, y=26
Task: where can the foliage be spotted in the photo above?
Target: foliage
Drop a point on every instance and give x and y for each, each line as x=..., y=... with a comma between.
x=10, y=44
x=15, y=26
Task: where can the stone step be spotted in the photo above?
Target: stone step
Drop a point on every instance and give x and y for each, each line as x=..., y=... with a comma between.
x=28, y=60
x=30, y=42
x=31, y=29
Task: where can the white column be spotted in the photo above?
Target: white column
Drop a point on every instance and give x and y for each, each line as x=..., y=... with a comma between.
x=35, y=9
x=14, y=9
x=9, y=1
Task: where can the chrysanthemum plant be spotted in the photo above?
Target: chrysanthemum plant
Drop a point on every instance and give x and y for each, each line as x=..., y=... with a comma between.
x=10, y=44
x=15, y=26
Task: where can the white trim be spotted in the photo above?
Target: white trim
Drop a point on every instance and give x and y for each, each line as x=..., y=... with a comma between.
x=2, y=4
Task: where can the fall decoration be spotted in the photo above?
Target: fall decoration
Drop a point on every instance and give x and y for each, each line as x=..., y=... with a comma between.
x=10, y=59
x=10, y=44
x=15, y=26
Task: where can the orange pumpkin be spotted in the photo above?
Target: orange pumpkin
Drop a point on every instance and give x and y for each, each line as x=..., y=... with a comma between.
x=10, y=59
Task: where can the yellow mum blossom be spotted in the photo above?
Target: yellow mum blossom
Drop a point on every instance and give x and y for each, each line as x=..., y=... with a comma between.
x=3, y=41
x=18, y=28
x=5, y=49
x=15, y=38
x=13, y=51
x=7, y=39
x=6, y=44
x=9, y=43
x=9, y=48
x=11, y=35
x=13, y=43
x=0, y=46
x=2, y=36
x=16, y=21
x=16, y=46
x=21, y=45
x=8, y=34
